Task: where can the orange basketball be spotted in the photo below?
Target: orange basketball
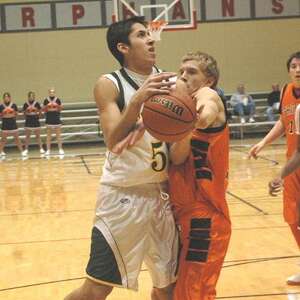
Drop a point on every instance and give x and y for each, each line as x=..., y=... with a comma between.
x=169, y=118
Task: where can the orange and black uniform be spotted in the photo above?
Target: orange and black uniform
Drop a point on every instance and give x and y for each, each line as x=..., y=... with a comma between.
x=291, y=192
x=197, y=191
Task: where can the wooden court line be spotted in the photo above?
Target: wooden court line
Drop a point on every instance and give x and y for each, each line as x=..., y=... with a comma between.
x=247, y=203
x=259, y=295
x=40, y=283
x=239, y=262
x=85, y=165
x=255, y=260
x=251, y=215
x=43, y=241
x=47, y=212
x=263, y=157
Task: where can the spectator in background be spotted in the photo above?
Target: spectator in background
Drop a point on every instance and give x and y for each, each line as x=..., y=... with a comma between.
x=52, y=107
x=8, y=113
x=32, y=111
x=243, y=104
x=273, y=102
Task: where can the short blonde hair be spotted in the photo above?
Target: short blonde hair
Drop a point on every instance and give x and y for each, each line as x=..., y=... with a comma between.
x=207, y=64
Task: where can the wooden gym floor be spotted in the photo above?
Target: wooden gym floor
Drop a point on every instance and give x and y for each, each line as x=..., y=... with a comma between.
x=47, y=209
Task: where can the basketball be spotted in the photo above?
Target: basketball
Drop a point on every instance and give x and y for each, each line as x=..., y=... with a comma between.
x=169, y=118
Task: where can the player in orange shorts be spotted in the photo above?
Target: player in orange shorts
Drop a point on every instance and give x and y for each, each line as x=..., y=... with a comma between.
x=290, y=98
x=198, y=181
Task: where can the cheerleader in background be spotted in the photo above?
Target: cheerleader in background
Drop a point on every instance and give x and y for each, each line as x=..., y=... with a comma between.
x=32, y=111
x=8, y=113
x=52, y=107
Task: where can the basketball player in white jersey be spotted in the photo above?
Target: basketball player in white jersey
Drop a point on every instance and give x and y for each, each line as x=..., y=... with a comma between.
x=133, y=222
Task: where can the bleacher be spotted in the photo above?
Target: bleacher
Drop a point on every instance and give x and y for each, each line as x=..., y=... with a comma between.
x=262, y=124
x=81, y=122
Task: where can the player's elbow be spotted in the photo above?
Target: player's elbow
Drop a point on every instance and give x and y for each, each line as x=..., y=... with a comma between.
x=202, y=124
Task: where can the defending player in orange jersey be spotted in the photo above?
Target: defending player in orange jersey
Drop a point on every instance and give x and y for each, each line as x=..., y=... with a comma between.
x=275, y=185
x=290, y=98
x=198, y=181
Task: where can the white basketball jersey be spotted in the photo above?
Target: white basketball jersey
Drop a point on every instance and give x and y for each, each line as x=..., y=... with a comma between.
x=146, y=161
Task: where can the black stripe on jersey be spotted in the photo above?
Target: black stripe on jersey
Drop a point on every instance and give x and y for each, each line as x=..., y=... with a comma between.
x=157, y=69
x=200, y=145
x=120, y=100
x=128, y=79
x=212, y=129
x=199, y=244
x=203, y=174
x=281, y=97
x=200, y=234
x=197, y=153
x=200, y=163
x=203, y=223
x=196, y=256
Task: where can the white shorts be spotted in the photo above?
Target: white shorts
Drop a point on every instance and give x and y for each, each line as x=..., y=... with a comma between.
x=53, y=126
x=137, y=225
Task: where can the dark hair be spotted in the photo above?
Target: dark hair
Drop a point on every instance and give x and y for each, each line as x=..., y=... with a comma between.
x=30, y=93
x=6, y=94
x=294, y=55
x=119, y=32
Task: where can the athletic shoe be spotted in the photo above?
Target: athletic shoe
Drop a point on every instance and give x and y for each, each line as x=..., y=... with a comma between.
x=42, y=151
x=61, y=152
x=24, y=152
x=243, y=121
x=3, y=154
x=251, y=120
x=293, y=280
x=47, y=153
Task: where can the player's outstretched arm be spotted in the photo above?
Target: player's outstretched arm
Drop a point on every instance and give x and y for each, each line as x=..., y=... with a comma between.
x=207, y=113
x=207, y=101
x=274, y=133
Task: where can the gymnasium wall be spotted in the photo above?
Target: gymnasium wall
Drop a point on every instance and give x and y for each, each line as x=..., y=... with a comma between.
x=252, y=52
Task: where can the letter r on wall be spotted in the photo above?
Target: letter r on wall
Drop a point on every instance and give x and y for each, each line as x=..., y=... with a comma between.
x=28, y=16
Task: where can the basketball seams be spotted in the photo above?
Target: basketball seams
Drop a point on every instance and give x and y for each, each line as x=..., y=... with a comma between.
x=166, y=115
x=169, y=134
x=169, y=118
x=192, y=113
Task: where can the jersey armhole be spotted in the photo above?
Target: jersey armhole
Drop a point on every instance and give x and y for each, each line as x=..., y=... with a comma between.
x=120, y=100
x=297, y=120
x=281, y=97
